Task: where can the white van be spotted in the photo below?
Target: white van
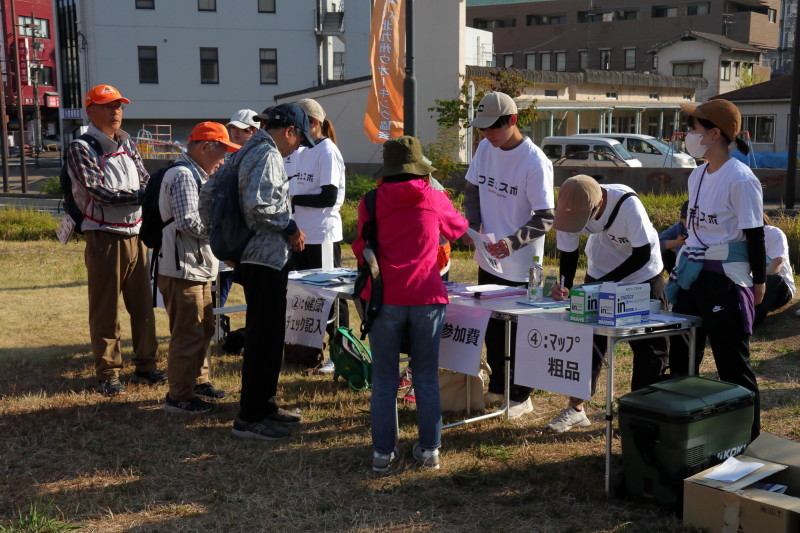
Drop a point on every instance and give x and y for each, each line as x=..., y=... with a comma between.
x=588, y=151
x=650, y=151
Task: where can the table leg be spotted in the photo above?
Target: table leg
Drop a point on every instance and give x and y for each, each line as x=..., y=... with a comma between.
x=610, y=349
x=692, y=351
x=507, y=356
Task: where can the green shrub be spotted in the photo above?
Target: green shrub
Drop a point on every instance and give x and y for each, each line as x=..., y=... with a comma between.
x=26, y=225
x=357, y=185
x=50, y=186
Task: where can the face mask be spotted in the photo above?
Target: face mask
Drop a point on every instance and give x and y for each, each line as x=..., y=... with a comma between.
x=694, y=146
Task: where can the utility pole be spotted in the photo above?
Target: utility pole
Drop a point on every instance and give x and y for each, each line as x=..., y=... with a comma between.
x=410, y=82
x=36, y=67
x=794, y=111
x=23, y=169
x=3, y=115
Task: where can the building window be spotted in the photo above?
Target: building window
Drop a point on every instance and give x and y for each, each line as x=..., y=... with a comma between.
x=698, y=9
x=490, y=24
x=145, y=4
x=268, y=65
x=772, y=15
x=625, y=14
x=611, y=96
x=694, y=70
x=589, y=16
x=209, y=65
x=206, y=5
x=760, y=127
x=551, y=93
x=725, y=71
x=530, y=61
x=561, y=61
x=583, y=58
x=338, y=65
x=544, y=61
x=266, y=6
x=46, y=76
x=605, y=59
x=654, y=96
x=33, y=27
x=148, y=64
x=545, y=20
x=737, y=69
x=508, y=60
x=664, y=12
x=630, y=59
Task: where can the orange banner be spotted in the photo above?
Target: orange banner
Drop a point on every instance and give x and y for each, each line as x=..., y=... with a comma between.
x=384, y=117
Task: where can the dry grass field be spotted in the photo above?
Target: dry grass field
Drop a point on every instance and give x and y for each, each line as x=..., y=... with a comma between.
x=123, y=464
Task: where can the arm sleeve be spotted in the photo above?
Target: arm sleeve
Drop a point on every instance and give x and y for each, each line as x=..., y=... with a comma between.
x=326, y=198
x=472, y=206
x=84, y=168
x=638, y=258
x=539, y=224
x=568, y=265
x=757, y=253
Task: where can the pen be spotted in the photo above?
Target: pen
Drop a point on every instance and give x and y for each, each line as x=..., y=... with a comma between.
x=562, y=281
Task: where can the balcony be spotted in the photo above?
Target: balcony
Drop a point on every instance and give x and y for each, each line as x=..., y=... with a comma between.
x=329, y=19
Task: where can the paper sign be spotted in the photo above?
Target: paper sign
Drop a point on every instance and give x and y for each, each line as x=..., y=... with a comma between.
x=554, y=356
x=307, y=310
x=481, y=240
x=462, y=338
x=64, y=231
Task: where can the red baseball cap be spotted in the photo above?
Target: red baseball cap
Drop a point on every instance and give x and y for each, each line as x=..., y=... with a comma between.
x=103, y=94
x=213, y=131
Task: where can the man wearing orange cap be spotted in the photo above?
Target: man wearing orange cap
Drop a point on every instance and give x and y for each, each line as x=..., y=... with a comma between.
x=108, y=181
x=187, y=268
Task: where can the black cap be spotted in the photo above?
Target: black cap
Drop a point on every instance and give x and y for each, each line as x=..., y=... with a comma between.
x=289, y=115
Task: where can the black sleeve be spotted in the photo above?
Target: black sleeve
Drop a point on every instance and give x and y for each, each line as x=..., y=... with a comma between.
x=326, y=198
x=472, y=206
x=639, y=257
x=538, y=225
x=757, y=252
x=567, y=265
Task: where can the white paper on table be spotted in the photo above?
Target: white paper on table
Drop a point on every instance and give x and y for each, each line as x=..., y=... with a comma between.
x=461, y=343
x=481, y=240
x=732, y=469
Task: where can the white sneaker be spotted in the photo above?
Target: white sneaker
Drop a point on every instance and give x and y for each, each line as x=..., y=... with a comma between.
x=327, y=368
x=567, y=419
x=492, y=398
x=517, y=409
x=428, y=459
x=382, y=461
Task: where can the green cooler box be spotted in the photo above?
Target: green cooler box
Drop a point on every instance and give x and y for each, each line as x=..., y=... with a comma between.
x=674, y=429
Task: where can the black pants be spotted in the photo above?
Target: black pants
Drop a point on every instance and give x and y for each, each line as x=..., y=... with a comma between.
x=265, y=330
x=649, y=355
x=668, y=258
x=713, y=297
x=495, y=345
x=311, y=257
x=776, y=295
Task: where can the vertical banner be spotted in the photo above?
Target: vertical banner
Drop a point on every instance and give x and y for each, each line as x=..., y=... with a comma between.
x=307, y=310
x=462, y=339
x=384, y=117
x=555, y=356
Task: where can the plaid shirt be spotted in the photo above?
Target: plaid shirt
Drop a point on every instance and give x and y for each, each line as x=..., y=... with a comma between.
x=184, y=197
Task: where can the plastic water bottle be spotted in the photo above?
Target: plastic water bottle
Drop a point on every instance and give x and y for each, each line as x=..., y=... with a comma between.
x=535, y=280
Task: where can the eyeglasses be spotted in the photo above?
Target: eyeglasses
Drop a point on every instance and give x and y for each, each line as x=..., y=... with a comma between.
x=111, y=106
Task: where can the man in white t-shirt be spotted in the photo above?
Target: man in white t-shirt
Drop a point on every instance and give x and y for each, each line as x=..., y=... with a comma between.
x=623, y=246
x=509, y=197
x=780, y=287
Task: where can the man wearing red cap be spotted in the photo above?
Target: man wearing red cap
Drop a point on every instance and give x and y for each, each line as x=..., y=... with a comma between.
x=187, y=267
x=108, y=181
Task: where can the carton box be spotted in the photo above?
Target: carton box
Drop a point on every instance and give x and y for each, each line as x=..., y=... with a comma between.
x=738, y=506
x=623, y=304
x=583, y=303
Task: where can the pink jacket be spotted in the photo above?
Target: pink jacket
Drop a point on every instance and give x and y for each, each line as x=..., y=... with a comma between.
x=411, y=215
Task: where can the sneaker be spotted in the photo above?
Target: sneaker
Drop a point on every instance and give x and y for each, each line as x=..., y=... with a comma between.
x=150, y=377
x=111, y=387
x=405, y=379
x=264, y=430
x=285, y=417
x=207, y=389
x=381, y=462
x=517, y=409
x=194, y=406
x=410, y=397
x=492, y=398
x=567, y=419
x=428, y=459
x=327, y=368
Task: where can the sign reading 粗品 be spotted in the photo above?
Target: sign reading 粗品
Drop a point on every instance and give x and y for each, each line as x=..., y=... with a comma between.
x=307, y=310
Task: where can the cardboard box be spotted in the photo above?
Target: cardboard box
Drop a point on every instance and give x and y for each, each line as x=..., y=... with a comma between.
x=623, y=304
x=737, y=507
x=584, y=303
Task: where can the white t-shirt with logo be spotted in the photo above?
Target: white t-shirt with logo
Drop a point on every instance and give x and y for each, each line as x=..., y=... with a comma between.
x=727, y=201
x=308, y=170
x=513, y=184
x=606, y=250
x=777, y=246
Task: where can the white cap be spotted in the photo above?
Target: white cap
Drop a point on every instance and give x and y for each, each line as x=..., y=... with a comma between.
x=244, y=118
x=493, y=106
x=312, y=109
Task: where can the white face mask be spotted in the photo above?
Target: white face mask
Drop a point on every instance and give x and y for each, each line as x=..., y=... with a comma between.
x=694, y=145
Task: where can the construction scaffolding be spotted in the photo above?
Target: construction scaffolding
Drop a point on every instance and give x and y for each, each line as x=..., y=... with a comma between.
x=154, y=141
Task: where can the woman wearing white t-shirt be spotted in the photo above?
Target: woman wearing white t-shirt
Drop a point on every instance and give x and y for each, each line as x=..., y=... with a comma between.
x=780, y=279
x=722, y=268
x=316, y=186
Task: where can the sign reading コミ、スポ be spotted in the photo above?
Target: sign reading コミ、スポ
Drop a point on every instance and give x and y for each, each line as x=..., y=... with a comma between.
x=307, y=310
x=554, y=356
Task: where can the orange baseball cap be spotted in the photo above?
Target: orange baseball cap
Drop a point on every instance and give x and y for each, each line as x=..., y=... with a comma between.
x=213, y=131
x=103, y=94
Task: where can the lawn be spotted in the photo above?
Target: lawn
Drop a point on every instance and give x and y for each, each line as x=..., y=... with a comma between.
x=123, y=464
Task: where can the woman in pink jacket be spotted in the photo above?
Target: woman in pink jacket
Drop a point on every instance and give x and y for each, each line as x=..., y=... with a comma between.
x=410, y=217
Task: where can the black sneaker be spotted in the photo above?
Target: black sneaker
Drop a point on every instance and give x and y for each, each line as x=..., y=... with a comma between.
x=111, y=387
x=150, y=377
x=195, y=406
x=285, y=417
x=265, y=430
x=208, y=390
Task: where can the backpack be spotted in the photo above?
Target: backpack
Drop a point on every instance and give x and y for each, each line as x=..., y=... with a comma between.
x=370, y=268
x=68, y=200
x=150, y=231
x=351, y=359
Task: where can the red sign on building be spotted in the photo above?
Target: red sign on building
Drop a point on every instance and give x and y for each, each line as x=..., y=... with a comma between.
x=22, y=55
x=52, y=100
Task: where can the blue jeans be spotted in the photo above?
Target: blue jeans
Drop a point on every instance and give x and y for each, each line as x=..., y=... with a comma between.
x=423, y=325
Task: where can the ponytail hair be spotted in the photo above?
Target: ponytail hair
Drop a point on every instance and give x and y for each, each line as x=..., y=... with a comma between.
x=328, y=130
x=742, y=146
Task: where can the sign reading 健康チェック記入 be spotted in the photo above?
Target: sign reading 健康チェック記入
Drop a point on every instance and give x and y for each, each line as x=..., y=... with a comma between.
x=307, y=310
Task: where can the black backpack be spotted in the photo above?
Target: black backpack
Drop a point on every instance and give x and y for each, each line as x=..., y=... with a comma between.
x=370, y=269
x=68, y=201
x=150, y=231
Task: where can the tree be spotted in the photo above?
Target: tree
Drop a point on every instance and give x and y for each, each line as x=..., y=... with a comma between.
x=748, y=78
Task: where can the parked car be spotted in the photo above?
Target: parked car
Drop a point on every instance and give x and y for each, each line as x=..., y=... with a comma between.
x=650, y=151
x=586, y=151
